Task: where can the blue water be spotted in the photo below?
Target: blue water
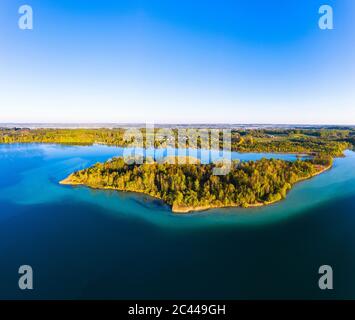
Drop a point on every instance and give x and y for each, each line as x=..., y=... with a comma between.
x=85, y=243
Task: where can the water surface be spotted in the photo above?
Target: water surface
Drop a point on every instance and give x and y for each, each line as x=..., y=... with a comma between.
x=85, y=243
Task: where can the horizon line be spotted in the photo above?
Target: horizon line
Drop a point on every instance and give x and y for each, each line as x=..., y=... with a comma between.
x=176, y=123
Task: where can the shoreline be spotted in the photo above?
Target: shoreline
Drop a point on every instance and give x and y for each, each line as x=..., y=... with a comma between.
x=89, y=144
x=179, y=209
x=188, y=209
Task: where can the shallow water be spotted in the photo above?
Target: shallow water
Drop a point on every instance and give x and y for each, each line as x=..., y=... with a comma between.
x=85, y=243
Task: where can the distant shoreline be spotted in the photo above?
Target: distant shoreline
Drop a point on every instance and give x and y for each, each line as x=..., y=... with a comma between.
x=300, y=154
x=33, y=125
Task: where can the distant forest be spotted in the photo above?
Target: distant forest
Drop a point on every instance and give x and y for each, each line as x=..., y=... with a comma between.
x=330, y=142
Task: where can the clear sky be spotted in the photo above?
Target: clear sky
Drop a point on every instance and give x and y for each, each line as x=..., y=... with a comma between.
x=178, y=61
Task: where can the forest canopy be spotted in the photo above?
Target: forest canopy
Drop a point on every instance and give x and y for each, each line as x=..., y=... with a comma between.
x=192, y=187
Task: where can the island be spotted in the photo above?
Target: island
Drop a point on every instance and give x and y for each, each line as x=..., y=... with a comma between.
x=194, y=187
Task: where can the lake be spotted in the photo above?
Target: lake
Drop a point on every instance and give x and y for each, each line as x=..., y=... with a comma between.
x=84, y=243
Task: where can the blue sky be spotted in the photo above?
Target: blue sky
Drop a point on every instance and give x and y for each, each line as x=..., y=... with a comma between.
x=186, y=61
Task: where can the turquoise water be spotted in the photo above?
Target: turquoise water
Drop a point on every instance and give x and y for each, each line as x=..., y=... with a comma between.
x=85, y=243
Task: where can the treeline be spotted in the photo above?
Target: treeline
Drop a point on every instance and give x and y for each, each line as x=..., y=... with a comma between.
x=331, y=142
x=188, y=185
x=314, y=146
x=63, y=136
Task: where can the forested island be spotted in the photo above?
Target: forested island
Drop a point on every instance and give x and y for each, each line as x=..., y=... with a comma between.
x=194, y=187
